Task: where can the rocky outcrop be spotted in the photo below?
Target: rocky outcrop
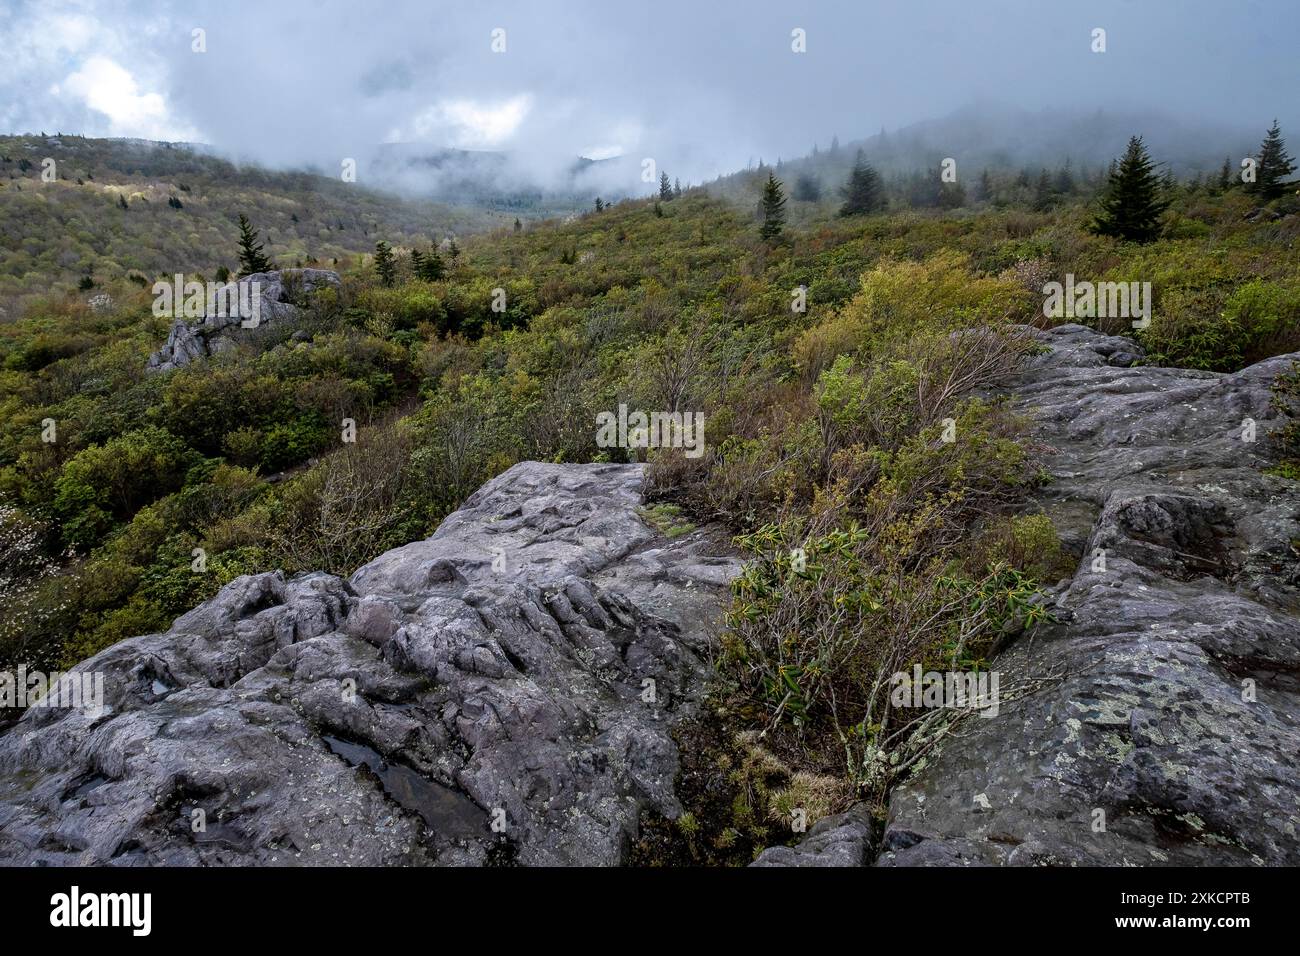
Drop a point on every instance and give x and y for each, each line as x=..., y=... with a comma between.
x=1168, y=727
x=276, y=296
x=503, y=691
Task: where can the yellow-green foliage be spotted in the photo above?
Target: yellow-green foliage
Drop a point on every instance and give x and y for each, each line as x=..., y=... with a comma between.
x=900, y=297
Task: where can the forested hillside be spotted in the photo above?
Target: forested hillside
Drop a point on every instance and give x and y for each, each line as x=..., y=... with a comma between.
x=120, y=207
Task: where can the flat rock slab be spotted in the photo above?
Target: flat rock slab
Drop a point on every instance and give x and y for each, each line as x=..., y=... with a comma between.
x=502, y=692
x=1171, y=731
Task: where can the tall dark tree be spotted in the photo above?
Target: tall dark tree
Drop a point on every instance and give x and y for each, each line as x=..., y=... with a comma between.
x=1225, y=174
x=807, y=188
x=1133, y=204
x=773, y=209
x=1275, y=166
x=428, y=267
x=384, y=263
x=251, y=257
x=863, y=193
x=665, y=188
x=1044, y=194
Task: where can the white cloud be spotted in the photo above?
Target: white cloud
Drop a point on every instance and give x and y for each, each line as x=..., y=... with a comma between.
x=109, y=88
x=470, y=124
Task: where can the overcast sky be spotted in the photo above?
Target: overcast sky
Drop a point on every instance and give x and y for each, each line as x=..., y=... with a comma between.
x=701, y=85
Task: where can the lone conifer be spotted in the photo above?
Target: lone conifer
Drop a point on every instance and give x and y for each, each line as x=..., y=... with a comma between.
x=251, y=257
x=1132, y=205
x=863, y=192
x=1274, y=165
x=773, y=208
x=384, y=264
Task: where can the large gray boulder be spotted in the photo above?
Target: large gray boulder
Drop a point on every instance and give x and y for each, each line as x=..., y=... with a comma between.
x=1168, y=727
x=275, y=293
x=501, y=692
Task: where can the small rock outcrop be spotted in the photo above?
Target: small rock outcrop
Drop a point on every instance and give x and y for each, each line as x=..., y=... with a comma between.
x=501, y=692
x=277, y=294
x=1167, y=729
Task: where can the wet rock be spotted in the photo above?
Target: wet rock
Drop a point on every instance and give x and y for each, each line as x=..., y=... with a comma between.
x=1158, y=721
x=502, y=692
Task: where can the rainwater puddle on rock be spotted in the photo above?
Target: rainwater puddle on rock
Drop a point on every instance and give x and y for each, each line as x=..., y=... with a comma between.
x=445, y=811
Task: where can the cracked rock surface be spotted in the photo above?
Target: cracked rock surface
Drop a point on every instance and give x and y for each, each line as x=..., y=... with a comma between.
x=501, y=692
x=1172, y=735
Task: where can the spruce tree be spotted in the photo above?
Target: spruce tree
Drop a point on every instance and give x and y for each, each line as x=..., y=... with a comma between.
x=773, y=209
x=863, y=193
x=807, y=188
x=1225, y=175
x=431, y=268
x=384, y=264
x=1044, y=195
x=665, y=188
x=251, y=257
x=1132, y=206
x=1274, y=166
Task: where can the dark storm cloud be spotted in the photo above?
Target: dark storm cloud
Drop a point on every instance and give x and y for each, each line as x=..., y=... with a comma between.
x=703, y=87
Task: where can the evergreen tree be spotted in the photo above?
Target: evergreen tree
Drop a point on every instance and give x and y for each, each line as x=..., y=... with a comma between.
x=665, y=188
x=773, y=209
x=384, y=264
x=1044, y=196
x=863, y=193
x=677, y=188
x=1064, y=182
x=251, y=257
x=1132, y=205
x=807, y=188
x=600, y=204
x=1225, y=174
x=430, y=267
x=1274, y=166
x=519, y=226
x=952, y=195
x=986, y=186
